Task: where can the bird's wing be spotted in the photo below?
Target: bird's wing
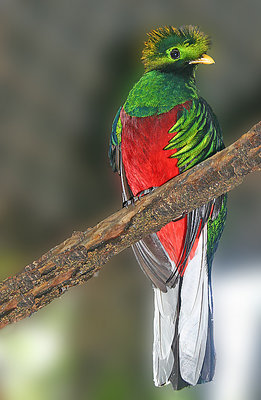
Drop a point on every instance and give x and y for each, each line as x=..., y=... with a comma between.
x=115, y=142
x=115, y=156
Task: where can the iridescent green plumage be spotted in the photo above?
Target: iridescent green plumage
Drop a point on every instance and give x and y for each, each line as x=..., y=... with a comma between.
x=188, y=39
x=158, y=92
x=197, y=135
x=215, y=230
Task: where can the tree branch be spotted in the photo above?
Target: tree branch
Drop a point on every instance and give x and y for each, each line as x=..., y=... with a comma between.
x=78, y=258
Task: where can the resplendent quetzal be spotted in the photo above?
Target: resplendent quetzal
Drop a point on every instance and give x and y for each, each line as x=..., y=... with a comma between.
x=163, y=129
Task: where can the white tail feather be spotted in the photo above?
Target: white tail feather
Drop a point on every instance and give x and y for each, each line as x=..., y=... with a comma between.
x=164, y=329
x=193, y=318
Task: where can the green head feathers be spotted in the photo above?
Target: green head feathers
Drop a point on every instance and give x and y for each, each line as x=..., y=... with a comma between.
x=171, y=49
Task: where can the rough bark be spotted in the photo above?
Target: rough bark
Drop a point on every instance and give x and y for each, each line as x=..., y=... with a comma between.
x=78, y=258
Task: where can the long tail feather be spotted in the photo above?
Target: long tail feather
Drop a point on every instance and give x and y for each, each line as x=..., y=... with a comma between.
x=165, y=317
x=193, y=318
x=209, y=364
x=183, y=350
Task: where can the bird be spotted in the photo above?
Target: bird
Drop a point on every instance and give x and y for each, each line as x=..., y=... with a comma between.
x=163, y=129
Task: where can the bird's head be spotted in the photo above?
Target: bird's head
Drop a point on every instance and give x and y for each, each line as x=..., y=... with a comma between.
x=176, y=49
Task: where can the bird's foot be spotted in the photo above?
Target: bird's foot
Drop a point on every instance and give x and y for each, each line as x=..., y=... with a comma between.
x=133, y=199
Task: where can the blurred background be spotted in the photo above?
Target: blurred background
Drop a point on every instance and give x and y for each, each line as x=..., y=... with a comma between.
x=65, y=68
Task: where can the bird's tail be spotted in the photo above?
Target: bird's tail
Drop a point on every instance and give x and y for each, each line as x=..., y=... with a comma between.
x=183, y=350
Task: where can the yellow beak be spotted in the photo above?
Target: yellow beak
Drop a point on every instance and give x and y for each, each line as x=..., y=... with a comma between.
x=205, y=59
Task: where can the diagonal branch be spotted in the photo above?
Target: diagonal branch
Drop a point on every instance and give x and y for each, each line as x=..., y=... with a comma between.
x=78, y=258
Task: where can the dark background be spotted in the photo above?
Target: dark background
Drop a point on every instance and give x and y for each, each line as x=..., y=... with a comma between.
x=65, y=68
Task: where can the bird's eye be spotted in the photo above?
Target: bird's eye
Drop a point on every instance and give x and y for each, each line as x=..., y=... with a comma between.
x=174, y=54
